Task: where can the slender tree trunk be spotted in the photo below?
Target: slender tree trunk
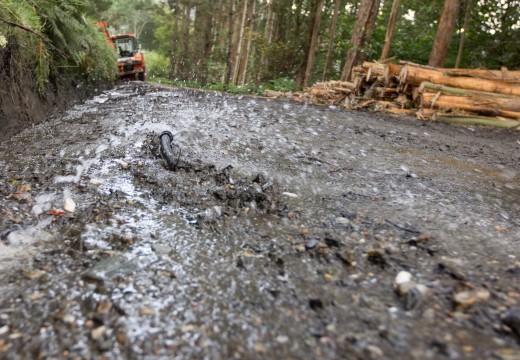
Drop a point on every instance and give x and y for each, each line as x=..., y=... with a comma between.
x=390, y=29
x=365, y=22
x=314, y=43
x=332, y=35
x=267, y=37
x=198, y=43
x=184, y=70
x=244, y=54
x=230, y=44
x=175, y=44
x=237, y=46
x=463, y=33
x=445, y=29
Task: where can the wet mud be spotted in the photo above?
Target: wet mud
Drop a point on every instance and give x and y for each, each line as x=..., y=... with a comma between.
x=283, y=231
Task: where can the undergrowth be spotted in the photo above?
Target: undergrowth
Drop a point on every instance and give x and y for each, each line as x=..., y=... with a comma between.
x=52, y=38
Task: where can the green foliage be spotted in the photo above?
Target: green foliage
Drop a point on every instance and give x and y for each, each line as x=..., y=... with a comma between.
x=157, y=66
x=68, y=41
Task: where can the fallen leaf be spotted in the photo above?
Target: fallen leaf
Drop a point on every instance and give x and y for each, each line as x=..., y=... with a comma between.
x=57, y=212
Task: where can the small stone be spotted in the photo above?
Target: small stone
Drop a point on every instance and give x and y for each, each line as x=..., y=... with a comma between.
x=282, y=339
x=507, y=354
x=311, y=244
x=95, y=181
x=69, y=319
x=290, y=195
x=98, y=332
x=402, y=277
x=69, y=205
x=331, y=242
x=147, y=311
x=453, y=267
x=328, y=277
x=123, y=164
x=346, y=257
x=299, y=248
x=4, y=330
x=342, y=221
x=377, y=257
x=512, y=320
x=467, y=298
x=36, y=296
x=260, y=348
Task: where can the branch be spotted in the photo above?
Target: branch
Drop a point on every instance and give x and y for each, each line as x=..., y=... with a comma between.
x=47, y=42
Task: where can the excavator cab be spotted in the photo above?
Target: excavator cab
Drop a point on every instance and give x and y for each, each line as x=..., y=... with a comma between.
x=131, y=60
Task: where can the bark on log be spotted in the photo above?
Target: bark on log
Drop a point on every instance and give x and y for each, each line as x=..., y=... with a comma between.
x=415, y=76
x=427, y=86
x=477, y=105
x=477, y=120
x=506, y=76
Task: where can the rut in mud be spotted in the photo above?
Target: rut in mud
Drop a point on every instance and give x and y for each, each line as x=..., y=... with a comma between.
x=280, y=233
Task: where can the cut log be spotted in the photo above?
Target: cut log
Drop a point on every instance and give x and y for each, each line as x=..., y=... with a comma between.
x=477, y=105
x=478, y=120
x=425, y=86
x=273, y=94
x=392, y=71
x=373, y=69
x=415, y=76
x=505, y=75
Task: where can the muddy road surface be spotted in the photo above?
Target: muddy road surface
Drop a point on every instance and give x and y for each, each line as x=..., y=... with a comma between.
x=283, y=231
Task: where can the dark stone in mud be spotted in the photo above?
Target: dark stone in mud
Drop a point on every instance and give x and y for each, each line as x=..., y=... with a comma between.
x=512, y=320
x=452, y=268
x=346, y=257
x=316, y=304
x=331, y=242
x=377, y=257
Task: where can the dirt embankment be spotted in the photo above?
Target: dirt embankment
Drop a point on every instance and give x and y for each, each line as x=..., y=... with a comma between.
x=21, y=105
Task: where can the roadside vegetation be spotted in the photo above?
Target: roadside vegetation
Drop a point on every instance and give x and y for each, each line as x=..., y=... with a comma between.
x=52, y=39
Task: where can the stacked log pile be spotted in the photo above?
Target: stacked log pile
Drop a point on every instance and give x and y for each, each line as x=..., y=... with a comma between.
x=465, y=96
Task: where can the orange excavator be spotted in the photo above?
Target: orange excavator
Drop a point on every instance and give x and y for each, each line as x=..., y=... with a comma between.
x=130, y=62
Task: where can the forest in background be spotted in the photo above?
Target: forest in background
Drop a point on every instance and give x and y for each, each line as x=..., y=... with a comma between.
x=250, y=45
x=244, y=44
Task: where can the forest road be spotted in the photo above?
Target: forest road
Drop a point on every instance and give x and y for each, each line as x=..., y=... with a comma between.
x=286, y=231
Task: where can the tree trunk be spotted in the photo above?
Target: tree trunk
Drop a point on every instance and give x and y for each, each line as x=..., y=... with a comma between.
x=390, y=29
x=175, y=44
x=244, y=54
x=414, y=75
x=184, y=70
x=313, y=44
x=268, y=33
x=444, y=33
x=332, y=35
x=467, y=13
x=365, y=21
x=237, y=45
x=479, y=105
x=230, y=44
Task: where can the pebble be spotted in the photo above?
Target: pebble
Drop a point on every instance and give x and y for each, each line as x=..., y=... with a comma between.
x=311, y=244
x=282, y=339
x=69, y=205
x=402, y=277
x=290, y=195
x=342, y=221
x=123, y=164
x=4, y=329
x=467, y=298
x=98, y=332
x=95, y=181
